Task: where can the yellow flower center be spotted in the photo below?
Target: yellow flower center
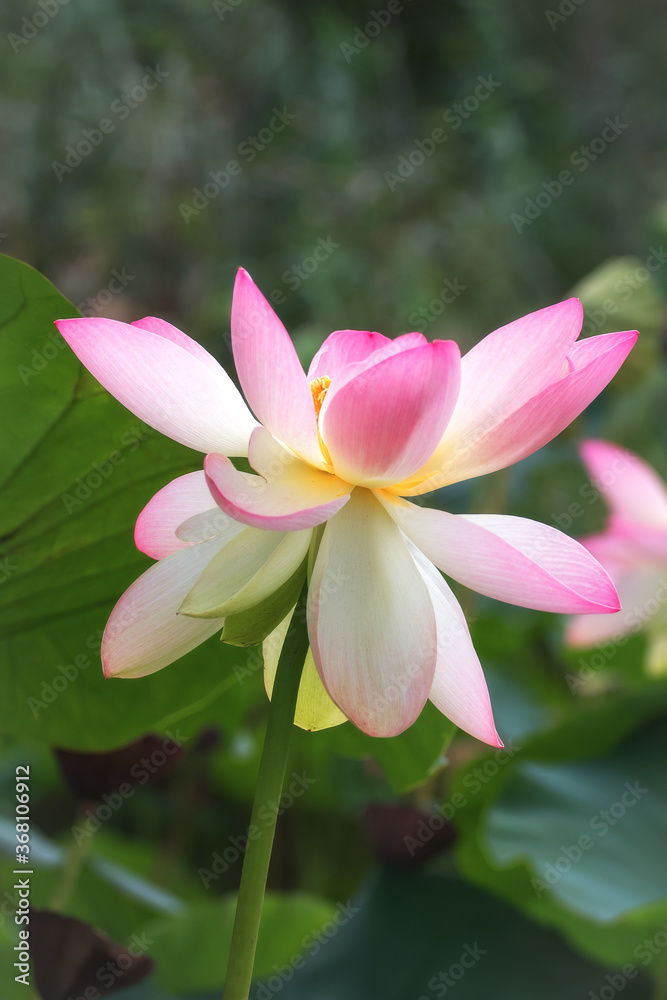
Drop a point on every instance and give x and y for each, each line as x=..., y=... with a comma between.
x=319, y=387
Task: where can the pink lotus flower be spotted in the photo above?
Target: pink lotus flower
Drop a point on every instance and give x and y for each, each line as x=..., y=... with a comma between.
x=374, y=421
x=633, y=550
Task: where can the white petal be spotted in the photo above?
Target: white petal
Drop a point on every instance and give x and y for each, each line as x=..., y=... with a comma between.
x=155, y=530
x=370, y=620
x=145, y=631
x=459, y=689
x=249, y=568
x=211, y=523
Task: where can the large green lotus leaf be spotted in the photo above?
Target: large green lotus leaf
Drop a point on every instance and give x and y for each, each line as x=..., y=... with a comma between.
x=191, y=949
x=417, y=936
x=592, y=831
x=565, y=829
x=76, y=469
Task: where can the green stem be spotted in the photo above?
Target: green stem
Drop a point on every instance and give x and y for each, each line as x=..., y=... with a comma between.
x=269, y=788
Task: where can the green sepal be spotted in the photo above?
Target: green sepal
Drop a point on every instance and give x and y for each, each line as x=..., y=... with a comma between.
x=314, y=548
x=247, y=628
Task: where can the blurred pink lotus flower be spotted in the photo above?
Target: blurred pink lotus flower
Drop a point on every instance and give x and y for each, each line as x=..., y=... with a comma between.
x=373, y=422
x=633, y=550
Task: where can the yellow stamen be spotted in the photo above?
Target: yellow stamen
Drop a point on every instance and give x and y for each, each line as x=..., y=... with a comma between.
x=319, y=387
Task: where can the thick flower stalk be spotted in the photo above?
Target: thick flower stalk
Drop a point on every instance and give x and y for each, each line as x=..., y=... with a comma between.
x=633, y=550
x=336, y=454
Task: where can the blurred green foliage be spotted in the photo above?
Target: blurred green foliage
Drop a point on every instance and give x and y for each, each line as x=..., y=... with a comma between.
x=336, y=217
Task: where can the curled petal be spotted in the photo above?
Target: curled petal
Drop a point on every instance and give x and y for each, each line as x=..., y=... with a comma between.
x=370, y=620
x=145, y=631
x=288, y=495
x=342, y=348
x=270, y=372
x=211, y=523
x=510, y=558
x=346, y=353
x=381, y=424
x=249, y=568
x=155, y=530
x=164, y=383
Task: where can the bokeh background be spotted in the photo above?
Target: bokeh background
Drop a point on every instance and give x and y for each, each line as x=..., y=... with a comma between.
x=299, y=141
